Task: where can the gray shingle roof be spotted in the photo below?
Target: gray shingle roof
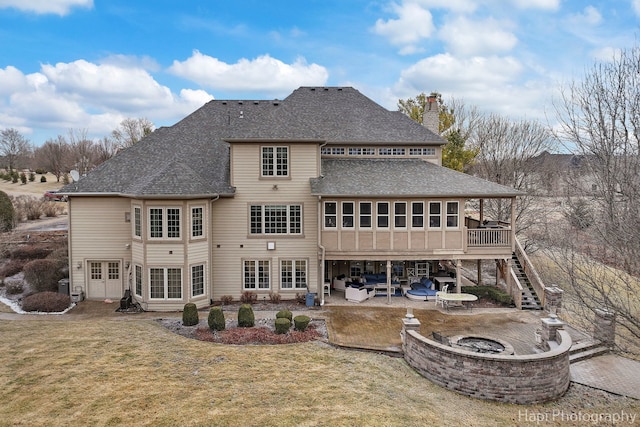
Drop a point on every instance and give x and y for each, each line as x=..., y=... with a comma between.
x=400, y=177
x=191, y=158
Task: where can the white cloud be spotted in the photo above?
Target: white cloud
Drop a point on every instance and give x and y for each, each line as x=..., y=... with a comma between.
x=124, y=89
x=636, y=6
x=590, y=16
x=464, y=36
x=57, y=7
x=84, y=95
x=414, y=23
x=537, y=4
x=264, y=74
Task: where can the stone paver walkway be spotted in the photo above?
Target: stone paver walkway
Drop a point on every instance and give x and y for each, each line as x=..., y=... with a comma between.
x=609, y=372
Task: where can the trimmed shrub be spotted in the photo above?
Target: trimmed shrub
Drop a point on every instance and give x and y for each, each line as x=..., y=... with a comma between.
x=216, y=319
x=282, y=325
x=301, y=322
x=284, y=314
x=43, y=178
x=248, y=297
x=12, y=267
x=32, y=176
x=41, y=171
x=190, y=314
x=7, y=213
x=42, y=274
x=48, y=302
x=23, y=178
x=274, y=297
x=226, y=299
x=30, y=252
x=246, y=318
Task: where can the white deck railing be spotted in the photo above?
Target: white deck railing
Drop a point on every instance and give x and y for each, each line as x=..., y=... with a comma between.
x=488, y=237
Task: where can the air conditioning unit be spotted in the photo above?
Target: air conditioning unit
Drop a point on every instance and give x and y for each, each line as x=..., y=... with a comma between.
x=77, y=294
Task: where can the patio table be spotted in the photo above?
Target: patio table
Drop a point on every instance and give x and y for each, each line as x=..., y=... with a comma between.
x=461, y=298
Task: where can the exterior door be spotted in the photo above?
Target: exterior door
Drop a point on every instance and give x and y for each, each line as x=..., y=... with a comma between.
x=105, y=280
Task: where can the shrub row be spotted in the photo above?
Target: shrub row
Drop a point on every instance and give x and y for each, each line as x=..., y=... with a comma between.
x=246, y=318
x=490, y=292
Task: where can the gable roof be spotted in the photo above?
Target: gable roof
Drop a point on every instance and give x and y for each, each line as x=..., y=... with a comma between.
x=400, y=177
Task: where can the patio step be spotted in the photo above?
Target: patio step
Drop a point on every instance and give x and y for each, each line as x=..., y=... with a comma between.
x=584, y=351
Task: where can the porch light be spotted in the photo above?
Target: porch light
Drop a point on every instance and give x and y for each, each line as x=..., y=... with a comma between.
x=79, y=265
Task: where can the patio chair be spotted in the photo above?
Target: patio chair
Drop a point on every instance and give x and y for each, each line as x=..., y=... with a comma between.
x=438, y=299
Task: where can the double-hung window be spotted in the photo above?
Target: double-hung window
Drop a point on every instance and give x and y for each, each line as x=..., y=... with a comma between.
x=137, y=221
x=382, y=214
x=197, y=280
x=138, y=278
x=197, y=222
x=330, y=214
x=275, y=219
x=256, y=274
x=348, y=214
x=165, y=283
x=164, y=223
x=275, y=161
x=365, y=215
x=417, y=214
x=435, y=215
x=400, y=214
x=452, y=214
x=293, y=273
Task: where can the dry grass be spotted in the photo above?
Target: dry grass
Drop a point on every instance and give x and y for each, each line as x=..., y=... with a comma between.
x=135, y=372
x=35, y=188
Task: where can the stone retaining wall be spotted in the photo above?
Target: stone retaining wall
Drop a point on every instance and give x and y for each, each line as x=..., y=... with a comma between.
x=525, y=379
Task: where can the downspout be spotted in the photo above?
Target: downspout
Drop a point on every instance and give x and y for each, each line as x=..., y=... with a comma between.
x=322, y=252
x=211, y=269
x=319, y=231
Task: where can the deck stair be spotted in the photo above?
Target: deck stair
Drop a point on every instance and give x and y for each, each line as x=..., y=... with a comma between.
x=530, y=300
x=586, y=350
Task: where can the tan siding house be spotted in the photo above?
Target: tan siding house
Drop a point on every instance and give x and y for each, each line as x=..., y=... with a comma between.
x=274, y=197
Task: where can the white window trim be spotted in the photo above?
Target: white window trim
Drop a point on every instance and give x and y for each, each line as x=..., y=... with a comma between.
x=255, y=261
x=412, y=215
x=306, y=273
x=324, y=216
x=263, y=227
x=166, y=283
x=275, y=161
x=447, y=215
x=388, y=215
x=137, y=278
x=165, y=223
x=204, y=233
x=429, y=215
x=406, y=216
x=138, y=209
x=352, y=214
x=204, y=280
x=371, y=215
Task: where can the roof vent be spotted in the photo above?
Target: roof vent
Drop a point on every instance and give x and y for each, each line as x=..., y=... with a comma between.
x=224, y=102
x=256, y=102
x=241, y=114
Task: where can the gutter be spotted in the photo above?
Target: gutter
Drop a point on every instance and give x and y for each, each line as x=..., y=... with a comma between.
x=322, y=251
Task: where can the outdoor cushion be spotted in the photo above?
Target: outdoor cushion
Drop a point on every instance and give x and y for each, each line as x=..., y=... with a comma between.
x=423, y=292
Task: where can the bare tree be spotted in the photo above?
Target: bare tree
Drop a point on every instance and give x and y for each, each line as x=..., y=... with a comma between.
x=82, y=152
x=131, y=131
x=14, y=147
x=105, y=149
x=53, y=156
x=600, y=120
x=506, y=148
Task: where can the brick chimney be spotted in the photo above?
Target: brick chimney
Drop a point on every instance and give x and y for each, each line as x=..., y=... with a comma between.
x=431, y=115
